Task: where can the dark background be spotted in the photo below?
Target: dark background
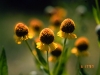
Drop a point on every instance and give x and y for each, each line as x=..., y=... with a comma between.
x=28, y=6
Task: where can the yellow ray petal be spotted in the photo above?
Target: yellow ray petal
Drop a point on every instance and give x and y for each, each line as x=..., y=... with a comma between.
x=42, y=46
x=53, y=46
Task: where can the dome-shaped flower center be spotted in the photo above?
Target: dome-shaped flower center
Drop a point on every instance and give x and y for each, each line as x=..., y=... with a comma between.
x=82, y=44
x=21, y=30
x=47, y=36
x=67, y=26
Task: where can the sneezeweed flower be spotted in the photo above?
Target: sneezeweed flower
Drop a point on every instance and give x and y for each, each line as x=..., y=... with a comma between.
x=55, y=22
x=61, y=12
x=46, y=40
x=35, y=27
x=21, y=32
x=81, y=47
x=55, y=54
x=66, y=29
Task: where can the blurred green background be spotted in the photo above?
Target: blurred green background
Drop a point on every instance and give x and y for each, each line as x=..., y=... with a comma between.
x=19, y=58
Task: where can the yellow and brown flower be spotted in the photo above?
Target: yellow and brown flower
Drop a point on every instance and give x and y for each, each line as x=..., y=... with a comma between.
x=46, y=38
x=35, y=27
x=66, y=29
x=55, y=54
x=21, y=32
x=81, y=47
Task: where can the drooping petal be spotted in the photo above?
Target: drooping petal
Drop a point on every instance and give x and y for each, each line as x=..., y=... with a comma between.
x=70, y=36
x=52, y=59
x=78, y=53
x=31, y=34
x=42, y=46
x=74, y=51
x=17, y=39
x=39, y=45
x=61, y=34
x=53, y=46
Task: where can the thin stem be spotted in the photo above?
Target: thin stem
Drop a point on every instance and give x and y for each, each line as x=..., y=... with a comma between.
x=61, y=58
x=31, y=51
x=48, y=63
x=78, y=67
x=29, y=46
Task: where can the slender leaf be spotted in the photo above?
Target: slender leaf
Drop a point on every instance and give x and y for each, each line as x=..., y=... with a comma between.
x=62, y=64
x=95, y=13
x=40, y=57
x=3, y=63
x=44, y=69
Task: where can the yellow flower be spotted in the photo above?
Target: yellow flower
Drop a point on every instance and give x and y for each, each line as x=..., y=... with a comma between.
x=66, y=29
x=21, y=32
x=46, y=40
x=55, y=54
x=35, y=27
x=81, y=47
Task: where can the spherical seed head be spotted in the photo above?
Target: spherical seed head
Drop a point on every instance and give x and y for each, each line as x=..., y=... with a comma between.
x=67, y=26
x=46, y=36
x=97, y=29
x=21, y=30
x=36, y=24
x=82, y=44
x=57, y=52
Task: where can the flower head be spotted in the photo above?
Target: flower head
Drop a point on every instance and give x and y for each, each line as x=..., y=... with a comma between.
x=35, y=27
x=66, y=29
x=81, y=46
x=56, y=20
x=21, y=32
x=46, y=40
x=61, y=12
x=55, y=54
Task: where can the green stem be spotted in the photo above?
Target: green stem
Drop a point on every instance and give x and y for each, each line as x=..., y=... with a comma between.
x=31, y=51
x=61, y=58
x=29, y=46
x=78, y=67
x=48, y=63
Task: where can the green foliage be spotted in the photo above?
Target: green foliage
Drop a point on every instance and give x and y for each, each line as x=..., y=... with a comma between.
x=3, y=63
x=96, y=16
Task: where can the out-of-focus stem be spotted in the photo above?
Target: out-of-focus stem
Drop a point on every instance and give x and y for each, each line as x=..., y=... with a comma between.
x=48, y=64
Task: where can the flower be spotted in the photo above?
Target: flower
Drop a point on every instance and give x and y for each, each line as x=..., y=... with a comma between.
x=55, y=54
x=61, y=12
x=46, y=40
x=55, y=22
x=66, y=29
x=21, y=31
x=35, y=27
x=81, y=47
